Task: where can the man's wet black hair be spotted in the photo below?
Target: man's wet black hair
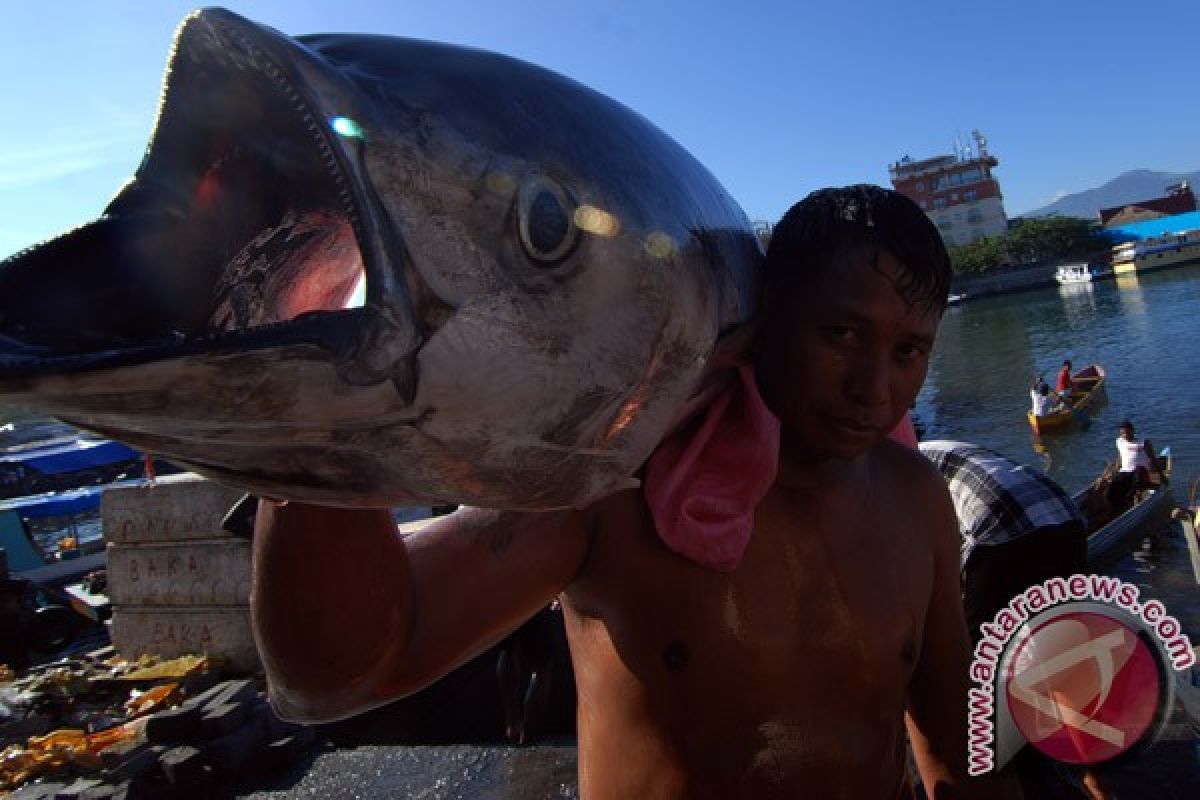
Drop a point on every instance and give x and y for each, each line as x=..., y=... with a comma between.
x=828, y=221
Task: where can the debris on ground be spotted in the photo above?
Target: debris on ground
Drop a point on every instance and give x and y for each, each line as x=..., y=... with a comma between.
x=100, y=727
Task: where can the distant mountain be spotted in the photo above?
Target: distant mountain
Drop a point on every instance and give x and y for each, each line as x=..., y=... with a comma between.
x=1128, y=187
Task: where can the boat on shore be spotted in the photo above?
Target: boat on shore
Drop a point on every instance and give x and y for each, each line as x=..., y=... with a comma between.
x=1158, y=252
x=55, y=538
x=1068, y=274
x=64, y=462
x=53, y=563
x=1087, y=386
x=1108, y=532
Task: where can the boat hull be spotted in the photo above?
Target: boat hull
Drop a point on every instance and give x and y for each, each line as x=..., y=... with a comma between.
x=1154, y=507
x=1092, y=378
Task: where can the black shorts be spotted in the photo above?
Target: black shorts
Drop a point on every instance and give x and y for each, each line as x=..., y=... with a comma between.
x=995, y=574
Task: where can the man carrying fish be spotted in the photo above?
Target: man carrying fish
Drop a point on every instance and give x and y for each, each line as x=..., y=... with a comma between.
x=362, y=271
x=764, y=618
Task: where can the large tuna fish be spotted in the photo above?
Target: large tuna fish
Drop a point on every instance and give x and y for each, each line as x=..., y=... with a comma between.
x=372, y=271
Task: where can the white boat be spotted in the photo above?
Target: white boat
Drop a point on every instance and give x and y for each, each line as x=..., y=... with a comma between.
x=1073, y=273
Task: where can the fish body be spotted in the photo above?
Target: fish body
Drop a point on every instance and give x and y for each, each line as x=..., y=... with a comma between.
x=370, y=271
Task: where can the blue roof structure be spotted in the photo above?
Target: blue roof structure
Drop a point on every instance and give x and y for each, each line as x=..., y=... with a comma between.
x=1163, y=226
x=70, y=456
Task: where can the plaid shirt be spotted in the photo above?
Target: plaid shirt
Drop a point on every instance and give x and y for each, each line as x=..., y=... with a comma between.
x=996, y=499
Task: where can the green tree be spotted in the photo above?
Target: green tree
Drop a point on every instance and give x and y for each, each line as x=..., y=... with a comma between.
x=1029, y=241
x=978, y=256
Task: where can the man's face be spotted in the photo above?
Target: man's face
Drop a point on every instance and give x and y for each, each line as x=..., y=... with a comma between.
x=842, y=357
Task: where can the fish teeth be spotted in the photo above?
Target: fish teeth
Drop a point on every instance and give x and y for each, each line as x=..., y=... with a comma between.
x=255, y=58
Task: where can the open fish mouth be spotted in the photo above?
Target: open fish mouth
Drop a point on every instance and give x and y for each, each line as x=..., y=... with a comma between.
x=248, y=224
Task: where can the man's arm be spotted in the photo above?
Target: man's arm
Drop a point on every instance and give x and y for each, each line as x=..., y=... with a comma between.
x=937, y=702
x=349, y=614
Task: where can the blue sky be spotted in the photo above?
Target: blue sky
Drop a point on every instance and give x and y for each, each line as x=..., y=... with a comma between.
x=776, y=98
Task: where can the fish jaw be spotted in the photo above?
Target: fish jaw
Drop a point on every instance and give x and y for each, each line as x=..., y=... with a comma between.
x=205, y=315
x=249, y=216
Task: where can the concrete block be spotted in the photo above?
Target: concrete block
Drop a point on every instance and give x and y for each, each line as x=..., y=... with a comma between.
x=141, y=762
x=174, y=508
x=174, y=725
x=117, y=754
x=37, y=791
x=183, y=764
x=172, y=631
x=229, y=753
x=106, y=791
x=200, y=682
x=283, y=751
x=224, y=719
x=224, y=693
x=77, y=790
x=197, y=572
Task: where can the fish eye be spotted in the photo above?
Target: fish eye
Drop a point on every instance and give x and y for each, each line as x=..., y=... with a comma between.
x=545, y=220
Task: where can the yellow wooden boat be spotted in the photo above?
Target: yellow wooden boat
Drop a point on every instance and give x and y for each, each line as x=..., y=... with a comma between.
x=1087, y=386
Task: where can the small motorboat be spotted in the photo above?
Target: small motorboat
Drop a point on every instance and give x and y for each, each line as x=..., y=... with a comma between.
x=1069, y=274
x=1086, y=387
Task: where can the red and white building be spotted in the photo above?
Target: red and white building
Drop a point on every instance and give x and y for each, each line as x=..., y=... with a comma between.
x=958, y=192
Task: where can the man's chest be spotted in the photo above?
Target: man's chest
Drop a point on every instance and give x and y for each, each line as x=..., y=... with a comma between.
x=800, y=615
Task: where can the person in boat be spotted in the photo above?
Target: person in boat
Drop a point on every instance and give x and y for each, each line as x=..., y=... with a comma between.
x=1018, y=528
x=1137, y=469
x=1043, y=400
x=1064, y=385
x=777, y=643
x=1137, y=456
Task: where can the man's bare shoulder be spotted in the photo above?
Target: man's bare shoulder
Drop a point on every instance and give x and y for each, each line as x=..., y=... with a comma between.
x=923, y=488
x=908, y=467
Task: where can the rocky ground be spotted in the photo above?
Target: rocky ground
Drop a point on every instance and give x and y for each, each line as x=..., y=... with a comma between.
x=96, y=727
x=93, y=727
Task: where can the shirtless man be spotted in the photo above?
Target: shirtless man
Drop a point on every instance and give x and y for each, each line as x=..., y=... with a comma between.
x=788, y=676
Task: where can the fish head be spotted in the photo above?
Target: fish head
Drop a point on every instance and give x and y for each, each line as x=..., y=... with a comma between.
x=375, y=271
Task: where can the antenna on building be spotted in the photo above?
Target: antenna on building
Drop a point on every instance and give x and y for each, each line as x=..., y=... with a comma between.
x=980, y=143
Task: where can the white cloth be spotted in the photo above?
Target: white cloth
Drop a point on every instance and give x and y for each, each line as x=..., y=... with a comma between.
x=1133, y=454
x=1042, y=403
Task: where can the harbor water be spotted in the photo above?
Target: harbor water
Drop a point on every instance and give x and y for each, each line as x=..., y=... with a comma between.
x=1143, y=330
